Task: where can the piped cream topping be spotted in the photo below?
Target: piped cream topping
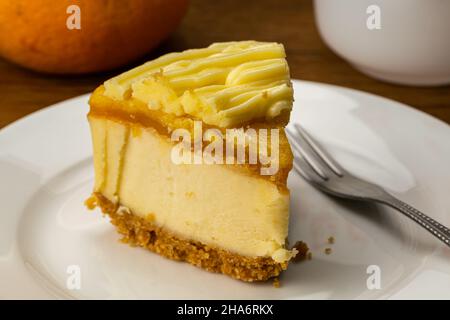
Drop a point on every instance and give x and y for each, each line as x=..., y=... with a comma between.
x=225, y=84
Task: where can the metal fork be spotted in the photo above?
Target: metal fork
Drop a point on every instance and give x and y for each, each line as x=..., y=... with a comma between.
x=316, y=166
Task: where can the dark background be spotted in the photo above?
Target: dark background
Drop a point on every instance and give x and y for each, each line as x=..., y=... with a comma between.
x=290, y=22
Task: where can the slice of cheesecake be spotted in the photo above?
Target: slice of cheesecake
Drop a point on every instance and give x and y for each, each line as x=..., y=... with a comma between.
x=224, y=214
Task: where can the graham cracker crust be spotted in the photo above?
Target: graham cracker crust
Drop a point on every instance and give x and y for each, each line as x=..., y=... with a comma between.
x=137, y=231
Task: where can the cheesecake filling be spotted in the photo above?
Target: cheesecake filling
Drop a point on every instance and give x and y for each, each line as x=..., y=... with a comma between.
x=212, y=204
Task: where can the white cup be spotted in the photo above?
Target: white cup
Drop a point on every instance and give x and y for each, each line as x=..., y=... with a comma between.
x=412, y=45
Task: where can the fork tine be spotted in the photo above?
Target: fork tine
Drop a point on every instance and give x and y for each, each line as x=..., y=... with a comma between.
x=305, y=170
x=321, y=153
x=303, y=155
x=301, y=145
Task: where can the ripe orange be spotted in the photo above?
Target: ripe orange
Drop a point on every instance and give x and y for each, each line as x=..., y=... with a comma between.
x=34, y=33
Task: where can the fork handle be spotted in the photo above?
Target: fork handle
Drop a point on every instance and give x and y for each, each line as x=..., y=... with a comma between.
x=435, y=228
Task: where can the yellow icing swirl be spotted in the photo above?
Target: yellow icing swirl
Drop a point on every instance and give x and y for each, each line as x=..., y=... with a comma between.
x=225, y=84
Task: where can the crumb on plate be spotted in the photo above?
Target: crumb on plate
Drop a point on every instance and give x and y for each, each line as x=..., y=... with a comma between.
x=276, y=282
x=303, y=251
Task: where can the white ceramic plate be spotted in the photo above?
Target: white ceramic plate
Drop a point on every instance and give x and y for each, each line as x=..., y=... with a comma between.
x=46, y=174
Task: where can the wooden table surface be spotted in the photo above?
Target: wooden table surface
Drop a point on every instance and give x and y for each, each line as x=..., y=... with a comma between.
x=289, y=21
